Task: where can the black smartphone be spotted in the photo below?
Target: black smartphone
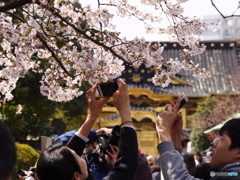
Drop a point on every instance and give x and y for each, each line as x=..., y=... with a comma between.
x=183, y=102
x=106, y=89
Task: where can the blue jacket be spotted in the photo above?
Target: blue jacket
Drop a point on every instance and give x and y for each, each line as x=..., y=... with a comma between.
x=64, y=138
x=98, y=170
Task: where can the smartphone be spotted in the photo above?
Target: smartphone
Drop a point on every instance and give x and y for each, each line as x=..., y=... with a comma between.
x=183, y=102
x=106, y=89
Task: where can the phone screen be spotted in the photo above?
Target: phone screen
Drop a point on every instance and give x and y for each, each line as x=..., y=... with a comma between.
x=183, y=102
x=107, y=89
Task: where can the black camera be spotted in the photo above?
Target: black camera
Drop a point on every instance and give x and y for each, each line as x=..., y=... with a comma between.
x=106, y=89
x=104, y=140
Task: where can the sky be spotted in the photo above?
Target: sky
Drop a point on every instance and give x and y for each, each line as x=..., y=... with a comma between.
x=200, y=8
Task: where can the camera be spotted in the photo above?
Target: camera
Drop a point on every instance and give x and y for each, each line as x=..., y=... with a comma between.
x=97, y=158
x=104, y=140
x=106, y=89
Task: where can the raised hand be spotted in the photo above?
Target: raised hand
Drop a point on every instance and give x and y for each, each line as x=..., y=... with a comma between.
x=165, y=121
x=112, y=156
x=107, y=131
x=95, y=106
x=122, y=102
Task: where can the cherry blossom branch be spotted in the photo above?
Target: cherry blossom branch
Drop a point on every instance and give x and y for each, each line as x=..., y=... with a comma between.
x=46, y=45
x=84, y=34
x=90, y=38
x=17, y=4
x=90, y=52
x=53, y=54
x=14, y=4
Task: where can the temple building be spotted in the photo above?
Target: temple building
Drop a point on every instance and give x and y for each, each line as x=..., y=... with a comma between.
x=222, y=59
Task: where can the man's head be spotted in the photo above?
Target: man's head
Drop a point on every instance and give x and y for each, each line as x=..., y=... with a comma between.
x=228, y=148
x=7, y=152
x=60, y=162
x=150, y=159
x=198, y=156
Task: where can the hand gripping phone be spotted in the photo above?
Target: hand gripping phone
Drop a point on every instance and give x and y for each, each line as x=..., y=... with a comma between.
x=106, y=89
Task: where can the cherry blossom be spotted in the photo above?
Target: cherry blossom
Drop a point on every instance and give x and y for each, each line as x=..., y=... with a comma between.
x=68, y=44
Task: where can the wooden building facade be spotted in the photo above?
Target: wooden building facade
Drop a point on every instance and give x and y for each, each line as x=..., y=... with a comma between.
x=221, y=58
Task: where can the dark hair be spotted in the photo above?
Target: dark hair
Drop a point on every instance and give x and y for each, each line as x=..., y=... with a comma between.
x=232, y=127
x=202, y=171
x=190, y=162
x=7, y=152
x=200, y=155
x=57, y=162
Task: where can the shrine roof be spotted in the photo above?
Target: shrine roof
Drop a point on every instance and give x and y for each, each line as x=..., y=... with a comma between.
x=220, y=58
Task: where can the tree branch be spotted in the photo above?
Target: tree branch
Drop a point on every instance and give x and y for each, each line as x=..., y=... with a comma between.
x=14, y=5
x=39, y=36
x=84, y=34
x=90, y=38
x=53, y=54
x=19, y=3
x=221, y=12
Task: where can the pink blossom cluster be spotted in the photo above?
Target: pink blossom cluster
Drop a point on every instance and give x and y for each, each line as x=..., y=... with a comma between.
x=70, y=44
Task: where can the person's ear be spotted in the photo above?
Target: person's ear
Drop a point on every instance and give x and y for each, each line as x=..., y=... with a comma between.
x=237, y=156
x=76, y=176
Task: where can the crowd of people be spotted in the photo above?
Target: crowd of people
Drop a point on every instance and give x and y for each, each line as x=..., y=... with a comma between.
x=70, y=158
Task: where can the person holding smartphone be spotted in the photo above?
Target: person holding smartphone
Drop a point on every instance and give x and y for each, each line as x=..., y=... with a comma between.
x=63, y=163
x=226, y=155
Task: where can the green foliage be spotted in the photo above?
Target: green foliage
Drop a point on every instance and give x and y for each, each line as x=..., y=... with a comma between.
x=59, y=44
x=200, y=123
x=38, y=111
x=71, y=112
x=210, y=112
x=205, y=107
x=201, y=120
x=199, y=141
x=26, y=157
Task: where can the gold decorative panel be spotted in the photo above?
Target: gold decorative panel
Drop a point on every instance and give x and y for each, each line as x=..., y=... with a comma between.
x=147, y=142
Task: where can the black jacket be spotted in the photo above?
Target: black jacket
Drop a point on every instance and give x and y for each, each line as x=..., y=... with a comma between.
x=127, y=164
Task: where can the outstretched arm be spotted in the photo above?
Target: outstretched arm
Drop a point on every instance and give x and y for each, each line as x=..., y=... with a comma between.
x=127, y=164
x=95, y=108
x=122, y=103
x=165, y=120
x=169, y=121
x=176, y=130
